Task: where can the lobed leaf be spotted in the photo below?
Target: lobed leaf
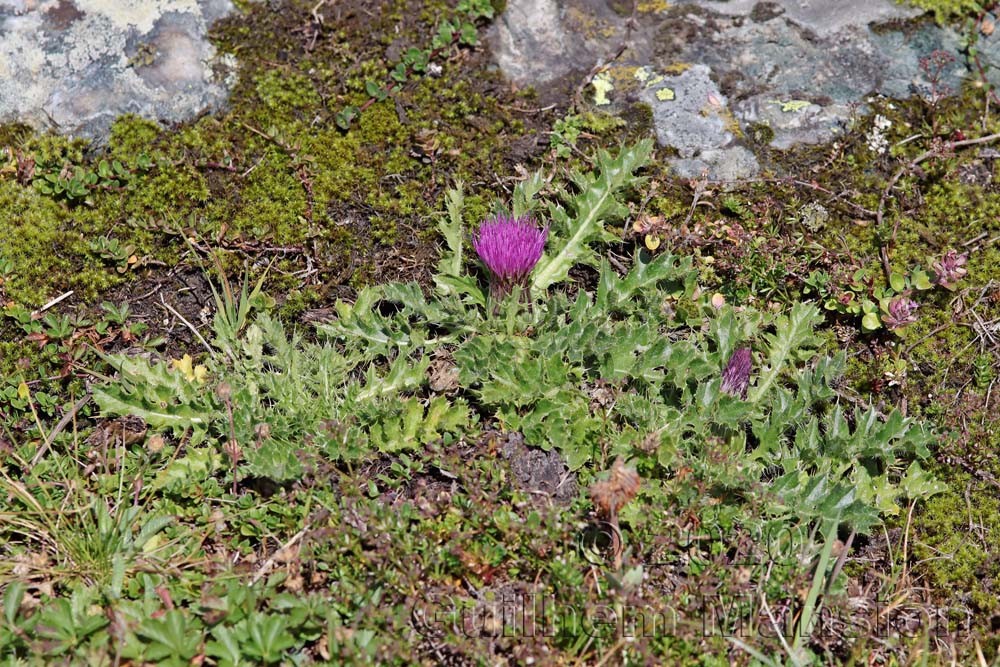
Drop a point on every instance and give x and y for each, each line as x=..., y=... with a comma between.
x=595, y=203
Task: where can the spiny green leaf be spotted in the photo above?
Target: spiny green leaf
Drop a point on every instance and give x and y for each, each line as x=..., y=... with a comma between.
x=792, y=332
x=525, y=193
x=177, y=417
x=595, y=204
x=451, y=228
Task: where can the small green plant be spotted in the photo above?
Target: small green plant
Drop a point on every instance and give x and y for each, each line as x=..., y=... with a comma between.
x=983, y=371
x=460, y=29
x=121, y=255
x=947, y=11
x=567, y=131
x=88, y=541
x=75, y=183
x=116, y=314
x=72, y=186
x=735, y=207
x=58, y=327
x=68, y=623
x=867, y=297
x=6, y=268
x=59, y=345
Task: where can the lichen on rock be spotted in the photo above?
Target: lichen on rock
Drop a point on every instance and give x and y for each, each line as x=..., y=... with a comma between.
x=73, y=66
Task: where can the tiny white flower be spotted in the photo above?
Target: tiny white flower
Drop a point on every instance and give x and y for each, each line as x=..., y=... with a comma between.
x=876, y=138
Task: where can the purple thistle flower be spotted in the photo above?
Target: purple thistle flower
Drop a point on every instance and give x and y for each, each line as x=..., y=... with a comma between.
x=950, y=268
x=736, y=377
x=902, y=311
x=509, y=247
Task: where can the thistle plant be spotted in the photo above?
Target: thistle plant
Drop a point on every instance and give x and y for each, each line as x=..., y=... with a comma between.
x=366, y=387
x=509, y=247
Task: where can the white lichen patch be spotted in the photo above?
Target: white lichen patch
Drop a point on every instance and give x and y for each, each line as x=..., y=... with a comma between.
x=138, y=14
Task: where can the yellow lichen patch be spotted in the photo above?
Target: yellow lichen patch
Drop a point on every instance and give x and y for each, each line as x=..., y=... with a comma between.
x=791, y=106
x=677, y=68
x=624, y=80
x=652, y=6
x=590, y=26
x=729, y=121
x=602, y=86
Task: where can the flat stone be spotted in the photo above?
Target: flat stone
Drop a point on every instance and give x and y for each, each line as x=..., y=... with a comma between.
x=804, y=88
x=539, y=41
x=822, y=17
x=73, y=66
x=688, y=111
x=543, y=474
x=715, y=71
x=690, y=114
x=733, y=163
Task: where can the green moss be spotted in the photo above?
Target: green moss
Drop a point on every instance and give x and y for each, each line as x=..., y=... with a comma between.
x=948, y=11
x=759, y=133
x=286, y=93
x=53, y=150
x=639, y=120
x=131, y=135
x=296, y=302
x=48, y=247
x=271, y=204
x=173, y=190
x=955, y=534
x=14, y=134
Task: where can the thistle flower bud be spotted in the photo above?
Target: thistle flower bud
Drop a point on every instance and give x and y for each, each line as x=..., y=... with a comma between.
x=233, y=450
x=509, y=247
x=736, y=377
x=262, y=431
x=155, y=444
x=224, y=391
x=619, y=488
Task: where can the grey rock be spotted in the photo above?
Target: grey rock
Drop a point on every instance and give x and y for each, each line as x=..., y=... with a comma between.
x=806, y=89
x=690, y=115
x=822, y=17
x=719, y=164
x=73, y=66
x=690, y=118
x=804, y=68
x=543, y=474
x=538, y=41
